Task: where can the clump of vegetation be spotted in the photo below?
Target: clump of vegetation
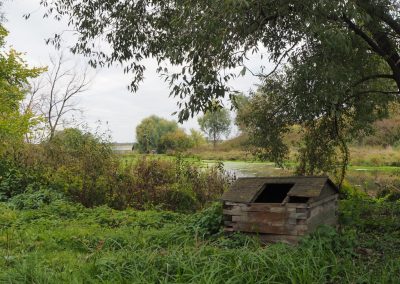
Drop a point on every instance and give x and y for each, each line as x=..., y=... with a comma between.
x=349, y=191
x=155, y=134
x=233, y=149
x=83, y=168
x=389, y=192
x=385, y=132
x=172, y=184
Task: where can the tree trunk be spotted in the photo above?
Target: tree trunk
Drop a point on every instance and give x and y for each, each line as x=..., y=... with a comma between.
x=214, y=140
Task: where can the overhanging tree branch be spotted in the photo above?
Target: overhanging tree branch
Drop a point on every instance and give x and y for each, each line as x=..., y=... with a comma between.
x=378, y=11
x=357, y=30
x=379, y=43
x=378, y=92
x=371, y=77
x=280, y=60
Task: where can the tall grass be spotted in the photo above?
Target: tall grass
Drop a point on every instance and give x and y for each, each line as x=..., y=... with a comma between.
x=67, y=243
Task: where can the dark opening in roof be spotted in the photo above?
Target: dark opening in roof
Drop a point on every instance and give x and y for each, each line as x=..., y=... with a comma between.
x=273, y=193
x=298, y=199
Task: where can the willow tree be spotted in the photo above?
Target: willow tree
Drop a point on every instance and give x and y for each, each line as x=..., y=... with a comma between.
x=150, y=131
x=339, y=59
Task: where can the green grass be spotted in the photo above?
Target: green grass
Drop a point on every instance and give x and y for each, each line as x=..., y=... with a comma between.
x=389, y=169
x=66, y=243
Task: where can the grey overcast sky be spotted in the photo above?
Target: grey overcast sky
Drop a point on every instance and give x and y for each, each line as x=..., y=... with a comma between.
x=108, y=99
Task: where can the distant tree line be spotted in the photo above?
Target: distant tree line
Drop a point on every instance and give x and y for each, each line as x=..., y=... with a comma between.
x=156, y=134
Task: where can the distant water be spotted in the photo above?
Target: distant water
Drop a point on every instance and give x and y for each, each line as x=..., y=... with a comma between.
x=122, y=147
x=248, y=169
x=367, y=179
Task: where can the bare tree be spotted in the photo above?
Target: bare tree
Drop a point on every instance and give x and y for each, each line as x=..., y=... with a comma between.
x=31, y=105
x=54, y=95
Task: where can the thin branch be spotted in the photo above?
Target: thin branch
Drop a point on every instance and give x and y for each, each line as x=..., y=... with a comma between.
x=280, y=60
x=357, y=30
x=63, y=84
x=252, y=73
x=379, y=12
x=371, y=77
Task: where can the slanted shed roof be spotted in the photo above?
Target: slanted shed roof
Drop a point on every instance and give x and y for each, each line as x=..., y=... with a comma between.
x=245, y=190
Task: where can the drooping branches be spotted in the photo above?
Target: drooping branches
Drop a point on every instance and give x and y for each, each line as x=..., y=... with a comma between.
x=340, y=58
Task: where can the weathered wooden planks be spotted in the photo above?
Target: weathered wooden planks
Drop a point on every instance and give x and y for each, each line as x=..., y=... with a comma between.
x=284, y=221
x=327, y=199
x=295, y=230
x=277, y=222
x=271, y=207
x=325, y=212
x=247, y=189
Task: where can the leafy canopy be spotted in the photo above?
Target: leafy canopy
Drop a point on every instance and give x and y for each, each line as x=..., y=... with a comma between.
x=215, y=124
x=14, y=75
x=177, y=140
x=150, y=131
x=317, y=91
x=209, y=38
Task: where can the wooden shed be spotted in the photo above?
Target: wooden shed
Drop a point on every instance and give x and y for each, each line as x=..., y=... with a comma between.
x=280, y=208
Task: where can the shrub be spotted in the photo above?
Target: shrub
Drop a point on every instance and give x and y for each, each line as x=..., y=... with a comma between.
x=176, y=141
x=389, y=193
x=171, y=184
x=370, y=215
x=349, y=191
x=15, y=178
x=34, y=197
x=75, y=163
x=82, y=167
x=207, y=222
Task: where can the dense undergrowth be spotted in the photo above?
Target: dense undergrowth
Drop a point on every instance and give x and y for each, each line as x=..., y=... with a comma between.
x=63, y=242
x=83, y=168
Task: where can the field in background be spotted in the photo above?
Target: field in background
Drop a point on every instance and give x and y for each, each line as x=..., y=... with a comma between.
x=372, y=156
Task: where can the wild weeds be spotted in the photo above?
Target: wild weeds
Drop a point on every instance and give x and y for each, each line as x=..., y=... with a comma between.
x=105, y=245
x=82, y=167
x=175, y=184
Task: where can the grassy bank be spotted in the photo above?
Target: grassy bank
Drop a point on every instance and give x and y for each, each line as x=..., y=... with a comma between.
x=67, y=243
x=367, y=156
x=369, y=179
